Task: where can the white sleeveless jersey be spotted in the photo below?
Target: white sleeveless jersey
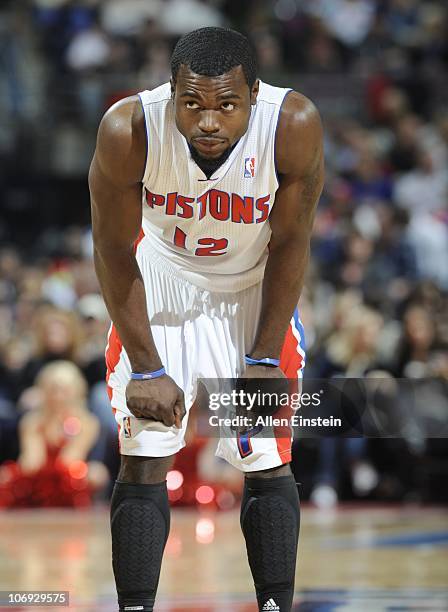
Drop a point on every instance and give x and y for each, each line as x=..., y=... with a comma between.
x=214, y=232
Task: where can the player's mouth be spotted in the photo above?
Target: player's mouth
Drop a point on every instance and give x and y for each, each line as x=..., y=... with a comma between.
x=208, y=144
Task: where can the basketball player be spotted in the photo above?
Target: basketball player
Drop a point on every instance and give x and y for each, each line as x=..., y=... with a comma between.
x=203, y=195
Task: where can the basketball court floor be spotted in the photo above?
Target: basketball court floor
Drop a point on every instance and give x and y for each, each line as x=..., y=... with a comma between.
x=354, y=558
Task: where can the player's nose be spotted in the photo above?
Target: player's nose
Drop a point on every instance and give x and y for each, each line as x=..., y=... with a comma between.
x=208, y=122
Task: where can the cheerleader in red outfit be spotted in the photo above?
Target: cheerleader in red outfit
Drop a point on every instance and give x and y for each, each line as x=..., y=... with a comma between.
x=55, y=440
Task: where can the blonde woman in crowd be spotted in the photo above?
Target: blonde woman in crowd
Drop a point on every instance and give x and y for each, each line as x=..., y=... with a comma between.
x=56, y=438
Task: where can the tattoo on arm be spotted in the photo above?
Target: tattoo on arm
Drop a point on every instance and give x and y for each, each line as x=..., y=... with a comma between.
x=311, y=190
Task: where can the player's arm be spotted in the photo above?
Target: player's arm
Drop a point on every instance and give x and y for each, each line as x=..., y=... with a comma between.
x=300, y=165
x=116, y=201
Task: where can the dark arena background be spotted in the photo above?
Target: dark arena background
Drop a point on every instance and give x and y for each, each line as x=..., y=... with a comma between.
x=374, y=533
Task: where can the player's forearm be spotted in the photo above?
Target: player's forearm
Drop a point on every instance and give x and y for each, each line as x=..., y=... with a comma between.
x=283, y=282
x=124, y=294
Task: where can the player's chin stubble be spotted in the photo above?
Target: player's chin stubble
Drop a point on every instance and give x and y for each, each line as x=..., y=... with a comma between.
x=209, y=164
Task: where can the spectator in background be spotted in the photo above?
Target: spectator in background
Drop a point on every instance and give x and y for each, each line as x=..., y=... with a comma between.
x=10, y=265
x=358, y=251
x=428, y=236
x=349, y=21
x=417, y=345
x=435, y=301
x=127, y=18
x=88, y=50
x=56, y=438
x=404, y=153
x=424, y=189
x=350, y=352
x=402, y=21
x=181, y=16
x=352, y=349
x=370, y=182
x=58, y=335
x=95, y=322
x=392, y=268
x=321, y=52
x=13, y=358
x=156, y=66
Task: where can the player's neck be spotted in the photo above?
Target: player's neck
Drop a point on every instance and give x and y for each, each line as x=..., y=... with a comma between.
x=209, y=166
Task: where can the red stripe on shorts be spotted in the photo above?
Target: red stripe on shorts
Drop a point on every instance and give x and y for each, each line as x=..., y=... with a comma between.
x=140, y=237
x=113, y=353
x=290, y=362
x=290, y=359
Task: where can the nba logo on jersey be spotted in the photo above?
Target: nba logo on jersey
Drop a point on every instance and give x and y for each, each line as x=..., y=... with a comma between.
x=249, y=167
x=127, y=427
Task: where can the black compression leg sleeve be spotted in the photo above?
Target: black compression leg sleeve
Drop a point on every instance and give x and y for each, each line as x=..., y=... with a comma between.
x=140, y=523
x=270, y=520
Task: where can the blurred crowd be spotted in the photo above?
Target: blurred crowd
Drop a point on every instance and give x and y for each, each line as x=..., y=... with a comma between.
x=376, y=293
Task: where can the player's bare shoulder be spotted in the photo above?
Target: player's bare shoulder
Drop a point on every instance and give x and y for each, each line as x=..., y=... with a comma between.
x=299, y=139
x=121, y=142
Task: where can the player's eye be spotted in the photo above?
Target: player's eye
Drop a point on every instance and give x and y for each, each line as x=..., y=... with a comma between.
x=192, y=105
x=228, y=106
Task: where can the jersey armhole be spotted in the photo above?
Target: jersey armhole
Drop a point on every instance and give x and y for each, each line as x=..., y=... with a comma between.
x=275, y=134
x=145, y=171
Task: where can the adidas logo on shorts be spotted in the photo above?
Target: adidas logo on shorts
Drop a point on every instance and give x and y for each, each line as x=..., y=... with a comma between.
x=271, y=606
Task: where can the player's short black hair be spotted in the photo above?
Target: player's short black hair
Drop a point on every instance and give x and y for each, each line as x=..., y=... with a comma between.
x=215, y=51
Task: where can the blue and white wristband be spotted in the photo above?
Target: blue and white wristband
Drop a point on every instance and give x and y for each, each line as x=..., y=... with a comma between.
x=269, y=361
x=148, y=375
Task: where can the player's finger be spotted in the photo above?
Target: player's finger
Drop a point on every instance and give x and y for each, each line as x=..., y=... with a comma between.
x=179, y=411
x=178, y=415
x=163, y=414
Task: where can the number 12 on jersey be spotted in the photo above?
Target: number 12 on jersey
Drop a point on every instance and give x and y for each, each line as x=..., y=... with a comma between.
x=209, y=246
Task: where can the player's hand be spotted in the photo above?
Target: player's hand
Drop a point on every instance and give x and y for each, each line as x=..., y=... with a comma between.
x=262, y=371
x=158, y=399
x=259, y=379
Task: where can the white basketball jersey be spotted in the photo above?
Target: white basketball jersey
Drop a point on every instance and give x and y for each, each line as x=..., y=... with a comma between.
x=215, y=232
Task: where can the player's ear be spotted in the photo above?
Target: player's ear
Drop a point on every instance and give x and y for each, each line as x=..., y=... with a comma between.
x=173, y=88
x=254, y=92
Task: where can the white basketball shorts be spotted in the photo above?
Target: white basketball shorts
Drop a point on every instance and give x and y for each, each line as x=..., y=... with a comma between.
x=198, y=334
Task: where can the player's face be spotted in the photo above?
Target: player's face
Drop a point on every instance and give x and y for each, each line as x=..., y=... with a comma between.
x=212, y=112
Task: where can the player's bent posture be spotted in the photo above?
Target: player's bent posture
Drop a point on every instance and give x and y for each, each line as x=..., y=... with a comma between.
x=203, y=197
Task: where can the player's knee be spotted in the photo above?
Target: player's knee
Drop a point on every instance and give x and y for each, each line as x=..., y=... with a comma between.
x=276, y=472
x=144, y=470
x=281, y=492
